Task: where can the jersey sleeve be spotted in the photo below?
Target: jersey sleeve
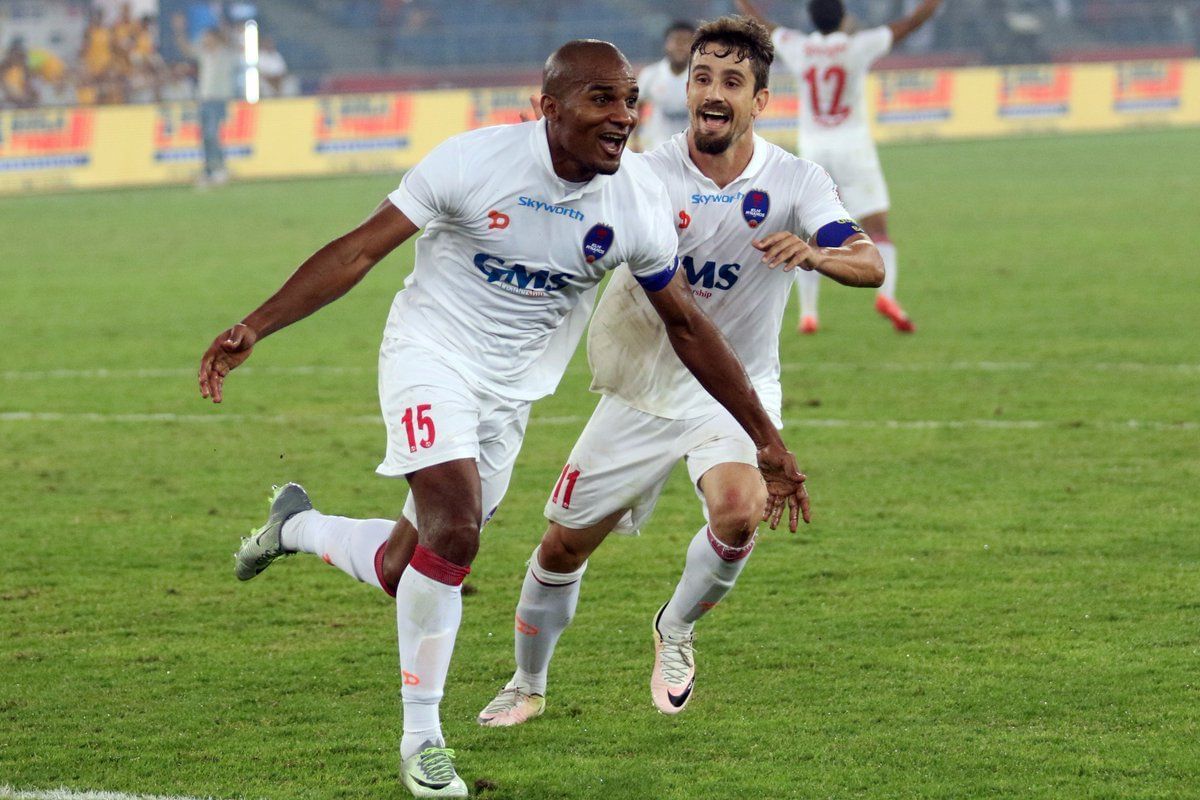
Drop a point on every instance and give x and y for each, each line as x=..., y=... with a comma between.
x=433, y=187
x=789, y=46
x=819, y=202
x=867, y=47
x=652, y=260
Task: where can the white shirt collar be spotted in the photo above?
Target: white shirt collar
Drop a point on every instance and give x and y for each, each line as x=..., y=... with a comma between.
x=757, y=160
x=541, y=151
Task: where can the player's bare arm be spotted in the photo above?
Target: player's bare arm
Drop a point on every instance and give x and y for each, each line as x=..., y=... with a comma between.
x=749, y=9
x=324, y=276
x=703, y=349
x=904, y=27
x=856, y=262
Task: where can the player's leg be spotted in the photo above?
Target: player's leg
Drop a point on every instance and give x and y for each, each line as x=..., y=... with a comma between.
x=549, y=595
x=611, y=481
x=448, y=502
x=867, y=199
x=808, y=289
x=722, y=465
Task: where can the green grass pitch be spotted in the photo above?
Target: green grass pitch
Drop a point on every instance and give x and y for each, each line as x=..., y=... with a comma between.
x=998, y=596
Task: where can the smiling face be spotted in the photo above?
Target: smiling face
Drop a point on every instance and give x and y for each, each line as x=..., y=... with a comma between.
x=721, y=98
x=590, y=112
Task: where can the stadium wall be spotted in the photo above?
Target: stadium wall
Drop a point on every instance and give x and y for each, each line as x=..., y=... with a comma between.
x=78, y=148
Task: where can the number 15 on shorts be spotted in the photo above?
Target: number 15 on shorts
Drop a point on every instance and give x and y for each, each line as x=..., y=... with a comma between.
x=419, y=421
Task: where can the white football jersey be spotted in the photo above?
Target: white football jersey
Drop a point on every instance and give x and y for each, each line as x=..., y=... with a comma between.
x=628, y=349
x=831, y=72
x=511, y=254
x=666, y=93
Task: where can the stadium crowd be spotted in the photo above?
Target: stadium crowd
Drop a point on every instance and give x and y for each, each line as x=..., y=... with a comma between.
x=123, y=59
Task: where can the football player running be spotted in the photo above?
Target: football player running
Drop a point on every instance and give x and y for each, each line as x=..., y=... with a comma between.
x=521, y=223
x=831, y=67
x=740, y=202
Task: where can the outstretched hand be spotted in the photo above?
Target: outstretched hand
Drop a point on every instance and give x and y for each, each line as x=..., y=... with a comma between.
x=785, y=487
x=227, y=352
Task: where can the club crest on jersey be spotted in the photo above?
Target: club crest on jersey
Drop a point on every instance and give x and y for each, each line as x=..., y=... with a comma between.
x=755, y=207
x=597, y=242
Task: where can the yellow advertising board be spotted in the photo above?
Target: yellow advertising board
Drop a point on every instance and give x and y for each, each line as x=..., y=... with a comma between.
x=67, y=148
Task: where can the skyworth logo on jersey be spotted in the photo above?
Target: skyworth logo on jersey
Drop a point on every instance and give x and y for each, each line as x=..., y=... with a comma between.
x=177, y=132
x=517, y=279
x=596, y=242
x=1143, y=86
x=42, y=139
x=550, y=208
x=755, y=207
x=917, y=96
x=363, y=123
x=1035, y=92
x=705, y=199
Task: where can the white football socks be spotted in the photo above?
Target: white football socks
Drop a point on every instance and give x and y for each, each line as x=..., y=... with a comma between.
x=351, y=545
x=888, y=251
x=712, y=568
x=428, y=613
x=808, y=288
x=547, y=604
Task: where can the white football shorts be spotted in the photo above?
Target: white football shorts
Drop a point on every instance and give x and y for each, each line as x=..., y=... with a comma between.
x=434, y=415
x=854, y=167
x=624, y=457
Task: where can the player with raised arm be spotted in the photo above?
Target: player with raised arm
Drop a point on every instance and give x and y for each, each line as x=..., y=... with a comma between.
x=831, y=67
x=521, y=223
x=741, y=201
x=662, y=89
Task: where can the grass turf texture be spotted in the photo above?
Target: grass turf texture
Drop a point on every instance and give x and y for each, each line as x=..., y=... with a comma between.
x=976, y=611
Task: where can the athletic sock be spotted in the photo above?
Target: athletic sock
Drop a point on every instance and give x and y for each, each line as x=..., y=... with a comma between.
x=351, y=545
x=547, y=604
x=428, y=612
x=888, y=251
x=808, y=288
x=712, y=568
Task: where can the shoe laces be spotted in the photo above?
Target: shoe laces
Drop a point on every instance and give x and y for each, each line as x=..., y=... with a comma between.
x=437, y=763
x=509, y=698
x=677, y=657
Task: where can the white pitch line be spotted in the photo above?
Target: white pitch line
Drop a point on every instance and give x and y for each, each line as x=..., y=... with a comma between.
x=9, y=793
x=787, y=366
x=576, y=419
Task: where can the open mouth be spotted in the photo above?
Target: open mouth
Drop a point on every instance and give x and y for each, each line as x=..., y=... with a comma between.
x=712, y=120
x=612, y=143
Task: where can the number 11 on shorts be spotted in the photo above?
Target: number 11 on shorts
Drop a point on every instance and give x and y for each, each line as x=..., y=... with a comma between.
x=423, y=422
x=565, y=485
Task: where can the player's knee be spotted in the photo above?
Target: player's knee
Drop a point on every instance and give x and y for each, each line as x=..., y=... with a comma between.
x=454, y=537
x=561, y=552
x=735, y=513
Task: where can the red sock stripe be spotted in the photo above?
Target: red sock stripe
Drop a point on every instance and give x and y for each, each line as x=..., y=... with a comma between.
x=727, y=552
x=391, y=590
x=433, y=566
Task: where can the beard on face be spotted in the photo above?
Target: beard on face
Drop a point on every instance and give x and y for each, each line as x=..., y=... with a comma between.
x=712, y=144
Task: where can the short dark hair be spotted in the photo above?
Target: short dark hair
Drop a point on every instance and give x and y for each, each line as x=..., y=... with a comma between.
x=745, y=38
x=679, y=25
x=827, y=15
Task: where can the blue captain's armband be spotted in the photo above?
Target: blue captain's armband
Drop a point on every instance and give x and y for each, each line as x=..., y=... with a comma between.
x=659, y=280
x=833, y=234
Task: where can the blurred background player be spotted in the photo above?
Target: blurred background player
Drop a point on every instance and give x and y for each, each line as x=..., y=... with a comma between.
x=652, y=414
x=217, y=64
x=831, y=68
x=662, y=89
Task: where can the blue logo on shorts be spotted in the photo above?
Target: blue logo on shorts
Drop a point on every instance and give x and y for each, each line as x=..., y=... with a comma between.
x=596, y=242
x=755, y=207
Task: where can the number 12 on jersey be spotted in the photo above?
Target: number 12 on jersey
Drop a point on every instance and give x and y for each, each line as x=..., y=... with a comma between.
x=835, y=78
x=420, y=421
